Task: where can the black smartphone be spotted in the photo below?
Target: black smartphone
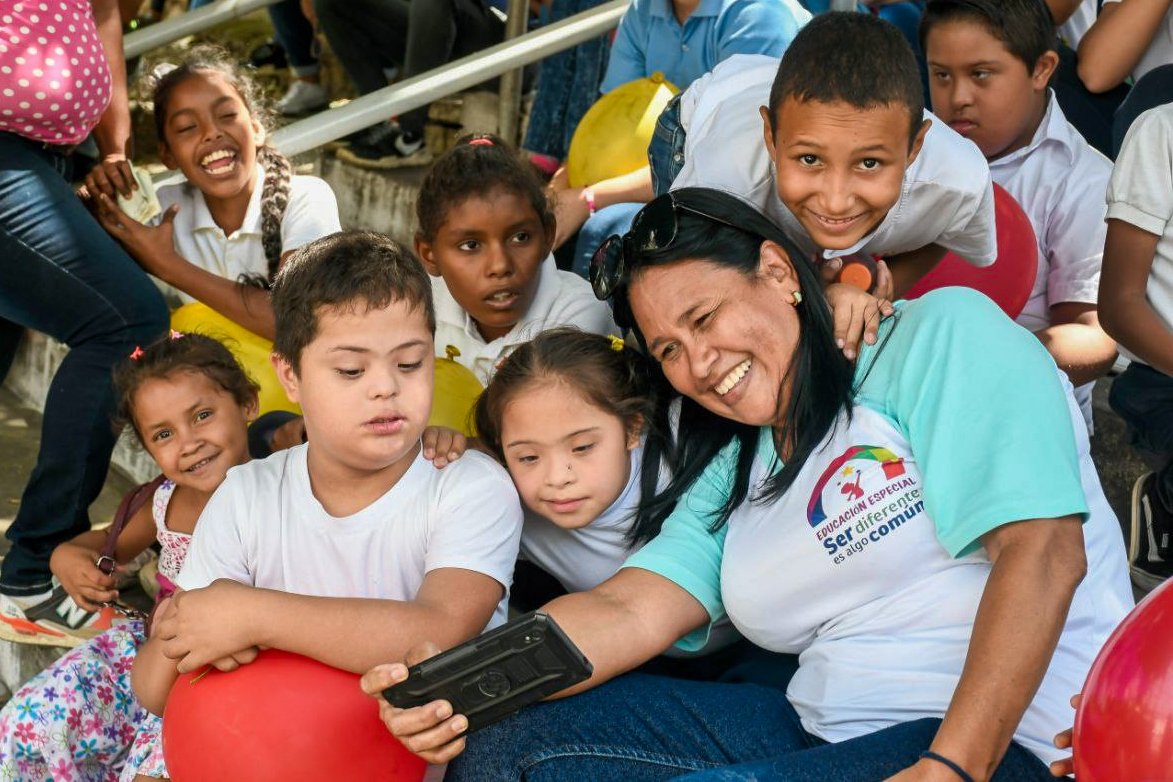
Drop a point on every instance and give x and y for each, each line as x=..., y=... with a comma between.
x=493, y=675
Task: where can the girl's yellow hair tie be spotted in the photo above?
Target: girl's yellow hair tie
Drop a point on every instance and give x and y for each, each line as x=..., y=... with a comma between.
x=616, y=342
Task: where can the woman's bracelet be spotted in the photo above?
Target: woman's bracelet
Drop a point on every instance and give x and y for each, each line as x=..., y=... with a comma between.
x=958, y=770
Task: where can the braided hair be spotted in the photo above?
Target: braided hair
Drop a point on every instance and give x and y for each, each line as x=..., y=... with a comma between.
x=278, y=170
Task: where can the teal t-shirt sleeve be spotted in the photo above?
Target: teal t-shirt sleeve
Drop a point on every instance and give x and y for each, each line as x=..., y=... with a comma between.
x=984, y=411
x=687, y=552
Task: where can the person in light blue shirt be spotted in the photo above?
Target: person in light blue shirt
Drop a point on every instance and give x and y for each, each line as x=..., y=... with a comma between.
x=685, y=39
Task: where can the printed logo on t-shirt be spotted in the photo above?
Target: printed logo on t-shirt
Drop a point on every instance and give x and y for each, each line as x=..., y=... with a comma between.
x=866, y=494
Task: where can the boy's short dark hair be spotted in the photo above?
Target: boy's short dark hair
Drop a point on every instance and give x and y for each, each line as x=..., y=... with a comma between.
x=1024, y=27
x=852, y=57
x=342, y=271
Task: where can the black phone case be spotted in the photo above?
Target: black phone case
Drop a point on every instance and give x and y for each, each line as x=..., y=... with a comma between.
x=493, y=675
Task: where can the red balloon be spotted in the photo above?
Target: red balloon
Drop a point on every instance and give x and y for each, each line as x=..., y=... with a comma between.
x=282, y=717
x=1124, y=724
x=1008, y=281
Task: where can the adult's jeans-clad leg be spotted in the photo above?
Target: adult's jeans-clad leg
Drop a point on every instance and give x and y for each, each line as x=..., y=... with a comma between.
x=637, y=728
x=866, y=759
x=296, y=36
x=614, y=219
x=61, y=274
x=568, y=85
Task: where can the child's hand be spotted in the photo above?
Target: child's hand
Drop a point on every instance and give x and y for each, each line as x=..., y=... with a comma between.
x=443, y=445
x=855, y=314
x=1066, y=766
x=204, y=626
x=430, y=731
x=289, y=434
x=150, y=245
x=76, y=569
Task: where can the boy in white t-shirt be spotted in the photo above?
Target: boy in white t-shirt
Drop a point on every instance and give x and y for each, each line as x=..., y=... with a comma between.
x=990, y=63
x=352, y=547
x=851, y=162
x=485, y=233
x=1136, y=299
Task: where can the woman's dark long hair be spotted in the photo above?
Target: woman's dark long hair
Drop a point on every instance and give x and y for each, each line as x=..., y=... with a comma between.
x=821, y=378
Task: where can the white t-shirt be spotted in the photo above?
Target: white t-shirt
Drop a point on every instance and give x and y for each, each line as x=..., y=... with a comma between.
x=583, y=558
x=947, y=198
x=264, y=527
x=311, y=213
x=1057, y=179
x=1160, y=51
x=1141, y=193
x=870, y=565
x=562, y=299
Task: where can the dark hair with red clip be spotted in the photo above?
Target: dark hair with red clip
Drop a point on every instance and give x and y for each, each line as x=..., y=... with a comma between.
x=478, y=165
x=174, y=354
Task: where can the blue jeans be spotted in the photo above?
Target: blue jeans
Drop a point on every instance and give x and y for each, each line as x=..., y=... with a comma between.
x=61, y=274
x=568, y=85
x=1143, y=397
x=640, y=728
x=614, y=219
x=296, y=36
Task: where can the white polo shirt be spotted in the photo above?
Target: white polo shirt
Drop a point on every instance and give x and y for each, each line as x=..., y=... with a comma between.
x=1141, y=193
x=947, y=198
x=311, y=213
x=1160, y=51
x=1057, y=179
x=562, y=299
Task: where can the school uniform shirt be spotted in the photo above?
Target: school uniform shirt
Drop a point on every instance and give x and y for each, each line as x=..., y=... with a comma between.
x=562, y=299
x=1140, y=192
x=265, y=528
x=650, y=38
x=870, y=566
x=1160, y=51
x=946, y=199
x=1057, y=179
x=311, y=213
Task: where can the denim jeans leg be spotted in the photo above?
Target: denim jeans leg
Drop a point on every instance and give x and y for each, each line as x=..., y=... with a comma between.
x=866, y=759
x=614, y=219
x=666, y=149
x=61, y=274
x=296, y=36
x=568, y=85
x=635, y=728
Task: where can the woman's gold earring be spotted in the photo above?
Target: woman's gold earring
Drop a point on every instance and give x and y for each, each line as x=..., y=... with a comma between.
x=797, y=297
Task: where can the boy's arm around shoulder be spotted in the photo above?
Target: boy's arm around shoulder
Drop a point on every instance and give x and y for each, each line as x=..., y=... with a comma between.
x=472, y=543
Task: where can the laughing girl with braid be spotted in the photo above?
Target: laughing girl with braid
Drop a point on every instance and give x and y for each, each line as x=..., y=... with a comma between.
x=225, y=231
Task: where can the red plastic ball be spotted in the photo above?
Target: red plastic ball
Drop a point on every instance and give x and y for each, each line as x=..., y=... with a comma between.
x=1009, y=280
x=281, y=717
x=1124, y=724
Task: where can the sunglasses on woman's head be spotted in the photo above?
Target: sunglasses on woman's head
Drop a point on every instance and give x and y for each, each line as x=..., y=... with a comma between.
x=653, y=229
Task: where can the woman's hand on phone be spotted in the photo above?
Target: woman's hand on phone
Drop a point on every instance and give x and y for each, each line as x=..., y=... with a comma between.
x=431, y=731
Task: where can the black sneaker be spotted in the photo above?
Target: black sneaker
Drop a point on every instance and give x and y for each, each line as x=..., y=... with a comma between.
x=386, y=146
x=1150, y=545
x=268, y=53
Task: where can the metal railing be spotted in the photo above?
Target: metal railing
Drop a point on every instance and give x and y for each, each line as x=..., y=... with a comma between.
x=189, y=23
x=457, y=75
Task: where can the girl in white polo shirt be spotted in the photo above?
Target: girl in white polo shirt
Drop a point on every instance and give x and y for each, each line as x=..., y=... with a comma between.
x=226, y=229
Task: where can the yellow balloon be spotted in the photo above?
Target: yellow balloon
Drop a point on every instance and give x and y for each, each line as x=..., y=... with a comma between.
x=251, y=350
x=612, y=137
x=456, y=392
